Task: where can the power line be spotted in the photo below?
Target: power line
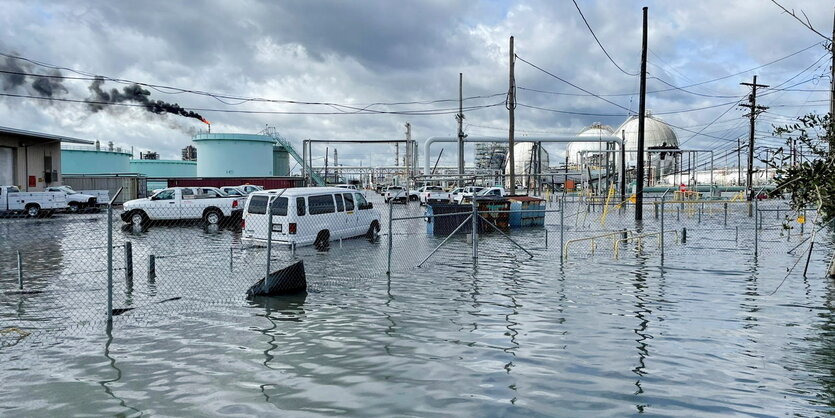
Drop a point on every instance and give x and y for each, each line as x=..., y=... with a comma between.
x=598, y=41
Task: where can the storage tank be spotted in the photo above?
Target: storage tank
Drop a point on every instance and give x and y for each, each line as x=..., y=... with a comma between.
x=234, y=155
x=281, y=161
x=525, y=162
x=78, y=160
x=158, y=171
x=596, y=130
x=656, y=134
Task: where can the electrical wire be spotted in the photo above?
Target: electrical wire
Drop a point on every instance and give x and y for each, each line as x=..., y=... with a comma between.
x=598, y=41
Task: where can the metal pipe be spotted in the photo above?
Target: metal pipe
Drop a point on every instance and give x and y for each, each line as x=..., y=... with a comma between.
x=110, y=262
x=475, y=217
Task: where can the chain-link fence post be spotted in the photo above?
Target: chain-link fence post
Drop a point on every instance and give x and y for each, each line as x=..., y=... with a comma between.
x=756, y=228
x=663, y=198
x=128, y=261
x=19, y=270
x=562, y=226
x=391, y=211
x=269, y=236
x=110, y=262
x=475, y=231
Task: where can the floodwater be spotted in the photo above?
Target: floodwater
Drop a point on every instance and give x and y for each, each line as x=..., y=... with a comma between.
x=591, y=336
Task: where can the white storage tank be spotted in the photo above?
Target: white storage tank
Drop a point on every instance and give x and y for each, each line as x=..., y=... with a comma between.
x=234, y=155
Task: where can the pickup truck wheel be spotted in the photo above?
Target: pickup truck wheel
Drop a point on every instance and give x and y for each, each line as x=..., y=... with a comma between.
x=33, y=210
x=323, y=240
x=373, y=230
x=138, y=218
x=212, y=217
x=73, y=206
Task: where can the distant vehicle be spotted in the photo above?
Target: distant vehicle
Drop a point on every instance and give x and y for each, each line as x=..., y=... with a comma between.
x=414, y=194
x=486, y=192
x=346, y=186
x=464, y=192
x=180, y=203
x=249, y=188
x=76, y=201
x=309, y=215
x=433, y=194
x=33, y=204
x=233, y=191
x=395, y=194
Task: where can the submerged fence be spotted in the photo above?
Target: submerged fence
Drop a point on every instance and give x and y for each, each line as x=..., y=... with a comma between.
x=71, y=271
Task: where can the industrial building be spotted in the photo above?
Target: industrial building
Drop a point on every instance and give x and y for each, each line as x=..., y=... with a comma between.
x=32, y=160
x=490, y=155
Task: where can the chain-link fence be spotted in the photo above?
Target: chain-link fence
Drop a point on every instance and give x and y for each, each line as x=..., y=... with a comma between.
x=184, y=247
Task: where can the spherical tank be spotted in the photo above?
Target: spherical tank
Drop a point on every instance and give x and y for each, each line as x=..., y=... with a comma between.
x=525, y=162
x=234, y=155
x=656, y=134
x=281, y=161
x=92, y=161
x=596, y=130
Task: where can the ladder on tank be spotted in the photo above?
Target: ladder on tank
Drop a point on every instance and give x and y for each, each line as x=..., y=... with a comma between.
x=273, y=133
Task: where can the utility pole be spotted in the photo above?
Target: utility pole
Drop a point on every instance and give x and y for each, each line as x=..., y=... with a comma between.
x=461, y=136
x=396, y=154
x=755, y=110
x=335, y=166
x=639, y=172
x=623, y=166
x=511, y=106
x=739, y=161
x=409, y=150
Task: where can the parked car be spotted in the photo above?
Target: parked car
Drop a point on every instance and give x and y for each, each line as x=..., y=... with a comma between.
x=249, y=188
x=234, y=191
x=395, y=194
x=346, y=186
x=33, y=204
x=433, y=194
x=308, y=215
x=181, y=203
x=76, y=201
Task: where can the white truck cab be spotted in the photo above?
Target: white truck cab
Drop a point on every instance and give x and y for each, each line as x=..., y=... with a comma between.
x=308, y=215
x=430, y=194
x=33, y=204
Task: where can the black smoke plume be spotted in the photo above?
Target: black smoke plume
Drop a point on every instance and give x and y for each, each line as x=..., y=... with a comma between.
x=15, y=73
x=133, y=93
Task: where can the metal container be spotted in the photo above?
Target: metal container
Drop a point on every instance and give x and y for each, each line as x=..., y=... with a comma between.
x=521, y=214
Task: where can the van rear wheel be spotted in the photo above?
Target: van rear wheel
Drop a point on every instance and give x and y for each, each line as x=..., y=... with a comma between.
x=323, y=240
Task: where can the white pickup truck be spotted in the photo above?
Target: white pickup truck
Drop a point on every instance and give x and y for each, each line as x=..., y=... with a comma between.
x=33, y=204
x=458, y=195
x=75, y=200
x=182, y=203
x=433, y=194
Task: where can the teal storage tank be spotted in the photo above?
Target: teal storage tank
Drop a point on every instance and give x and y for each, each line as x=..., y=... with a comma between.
x=164, y=168
x=281, y=161
x=93, y=161
x=234, y=155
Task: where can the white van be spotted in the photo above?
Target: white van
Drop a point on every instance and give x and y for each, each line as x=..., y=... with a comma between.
x=309, y=215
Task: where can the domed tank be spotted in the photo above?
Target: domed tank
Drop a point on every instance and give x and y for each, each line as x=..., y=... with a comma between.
x=656, y=134
x=164, y=168
x=525, y=162
x=595, y=130
x=234, y=155
x=92, y=161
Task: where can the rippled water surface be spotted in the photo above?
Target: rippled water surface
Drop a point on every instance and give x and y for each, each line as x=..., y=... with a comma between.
x=593, y=336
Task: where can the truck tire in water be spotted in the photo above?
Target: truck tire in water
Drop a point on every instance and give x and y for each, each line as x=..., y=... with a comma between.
x=212, y=217
x=138, y=218
x=33, y=210
x=73, y=206
x=323, y=240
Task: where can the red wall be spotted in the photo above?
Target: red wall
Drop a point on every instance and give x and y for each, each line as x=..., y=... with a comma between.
x=265, y=182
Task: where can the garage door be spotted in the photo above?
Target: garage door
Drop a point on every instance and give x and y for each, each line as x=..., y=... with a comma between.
x=6, y=169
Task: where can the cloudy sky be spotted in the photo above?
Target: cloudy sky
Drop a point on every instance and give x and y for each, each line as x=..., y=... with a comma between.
x=374, y=54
